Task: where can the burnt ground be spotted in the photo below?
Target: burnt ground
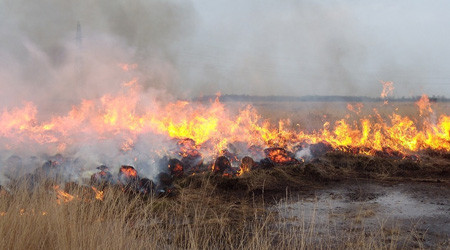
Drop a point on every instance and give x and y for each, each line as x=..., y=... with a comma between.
x=329, y=169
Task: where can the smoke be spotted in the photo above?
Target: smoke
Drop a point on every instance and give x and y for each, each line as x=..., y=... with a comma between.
x=197, y=47
x=41, y=62
x=319, y=48
x=183, y=49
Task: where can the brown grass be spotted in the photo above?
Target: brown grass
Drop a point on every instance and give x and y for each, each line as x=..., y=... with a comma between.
x=201, y=216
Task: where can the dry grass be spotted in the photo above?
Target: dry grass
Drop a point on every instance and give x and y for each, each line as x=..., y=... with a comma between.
x=197, y=218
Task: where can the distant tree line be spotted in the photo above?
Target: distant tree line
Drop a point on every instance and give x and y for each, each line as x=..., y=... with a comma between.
x=315, y=98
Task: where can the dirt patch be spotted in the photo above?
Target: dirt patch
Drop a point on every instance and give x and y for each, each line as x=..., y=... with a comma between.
x=401, y=210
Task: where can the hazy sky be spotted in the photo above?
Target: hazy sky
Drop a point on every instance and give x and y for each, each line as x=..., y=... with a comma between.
x=322, y=47
x=259, y=47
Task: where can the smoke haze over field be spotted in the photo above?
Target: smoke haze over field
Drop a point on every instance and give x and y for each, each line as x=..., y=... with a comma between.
x=105, y=93
x=190, y=48
x=322, y=47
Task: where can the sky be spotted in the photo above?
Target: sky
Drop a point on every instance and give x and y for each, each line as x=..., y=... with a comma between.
x=322, y=47
x=198, y=47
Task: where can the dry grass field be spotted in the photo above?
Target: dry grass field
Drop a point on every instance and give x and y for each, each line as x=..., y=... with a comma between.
x=214, y=212
x=198, y=218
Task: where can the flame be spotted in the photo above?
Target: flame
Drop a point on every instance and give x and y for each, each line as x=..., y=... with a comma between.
x=98, y=194
x=279, y=156
x=424, y=105
x=356, y=108
x=62, y=196
x=123, y=116
x=128, y=67
x=246, y=165
x=388, y=89
x=128, y=172
x=127, y=145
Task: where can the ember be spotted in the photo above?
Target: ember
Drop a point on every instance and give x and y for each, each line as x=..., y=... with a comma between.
x=222, y=165
x=103, y=177
x=247, y=164
x=128, y=177
x=191, y=158
x=280, y=156
x=176, y=167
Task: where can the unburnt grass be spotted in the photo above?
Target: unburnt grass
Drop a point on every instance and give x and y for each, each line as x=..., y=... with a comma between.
x=210, y=210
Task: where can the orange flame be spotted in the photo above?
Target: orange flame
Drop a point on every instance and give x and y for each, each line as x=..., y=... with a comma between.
x=129, y=172
x=122, y=115
x=388, y=89
x=98, y=194
x=424, y=105
x=127, y=67
x=62, y=196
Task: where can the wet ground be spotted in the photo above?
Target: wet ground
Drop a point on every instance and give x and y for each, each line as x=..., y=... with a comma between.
x=415, y=214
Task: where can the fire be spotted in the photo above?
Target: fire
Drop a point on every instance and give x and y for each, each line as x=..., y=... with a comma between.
x=98, y=194
x=424, y=105
x=356, y=108
x=280, y=156
x=247, y=163
x=128, y=171
x=388, y=89
x=128, y=67
x=206, y=130
x=62, y=196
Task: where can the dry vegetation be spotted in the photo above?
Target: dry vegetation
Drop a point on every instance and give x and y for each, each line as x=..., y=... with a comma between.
x=207, y=212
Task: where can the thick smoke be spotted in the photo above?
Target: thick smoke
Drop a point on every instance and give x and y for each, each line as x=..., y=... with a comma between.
x=319, y=47
x=198, y=47
x=183, y=49
x=43, y=60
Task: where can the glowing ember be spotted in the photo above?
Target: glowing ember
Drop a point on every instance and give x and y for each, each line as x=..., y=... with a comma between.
x=280, y=156
x=221, y=165
x=128, y=171
x=247, y=163
x=175, y=167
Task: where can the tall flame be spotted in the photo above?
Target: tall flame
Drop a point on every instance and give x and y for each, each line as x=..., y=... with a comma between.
x=121, y=114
